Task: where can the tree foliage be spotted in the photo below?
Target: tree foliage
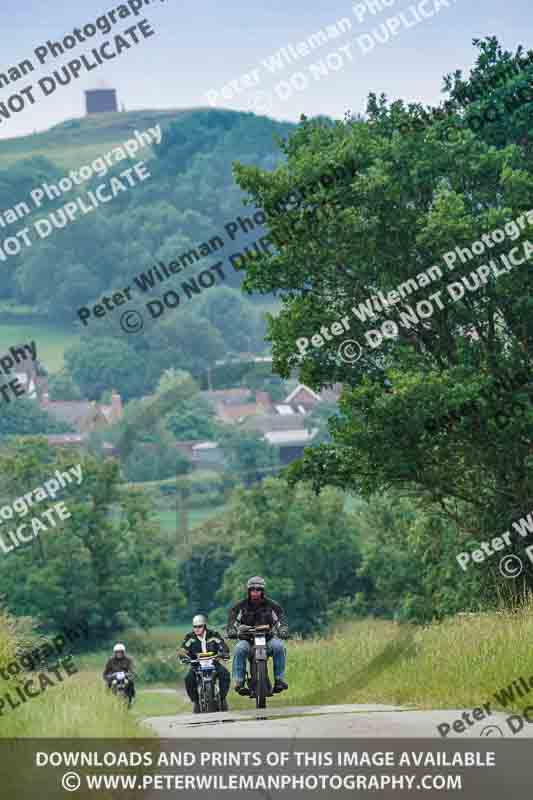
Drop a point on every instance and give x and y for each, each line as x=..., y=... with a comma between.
x=415, y=197
x=62, y=387
x=409, y=562
x=24, y=417
x=108, y=564
x=248, y=455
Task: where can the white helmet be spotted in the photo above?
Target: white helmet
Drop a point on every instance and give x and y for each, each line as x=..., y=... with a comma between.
x=119, y=646
x=199, y=619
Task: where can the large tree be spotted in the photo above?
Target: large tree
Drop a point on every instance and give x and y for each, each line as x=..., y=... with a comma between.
x=99, y=363
x=232, y=315
x=415, y=197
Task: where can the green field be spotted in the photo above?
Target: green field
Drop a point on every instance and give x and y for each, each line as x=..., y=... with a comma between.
x=50, y=340
x=196, y=516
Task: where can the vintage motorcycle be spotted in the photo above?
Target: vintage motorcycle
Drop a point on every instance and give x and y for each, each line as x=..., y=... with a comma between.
x=258, y=680
x=120, y=686
x=204, y=667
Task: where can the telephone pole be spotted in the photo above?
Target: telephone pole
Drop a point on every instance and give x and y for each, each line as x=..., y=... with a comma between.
x=183, y=539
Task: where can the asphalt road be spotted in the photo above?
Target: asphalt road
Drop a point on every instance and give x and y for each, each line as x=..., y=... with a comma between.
x=357, y=721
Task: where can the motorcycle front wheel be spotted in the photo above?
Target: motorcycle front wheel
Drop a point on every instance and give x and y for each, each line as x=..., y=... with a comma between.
x=261, y=684
x=212, y=698
x=202, y=698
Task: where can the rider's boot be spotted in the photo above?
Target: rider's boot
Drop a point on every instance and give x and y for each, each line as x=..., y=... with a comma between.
x=223, y=704
x=240, y=687
x=196, y=708
x=280, y=686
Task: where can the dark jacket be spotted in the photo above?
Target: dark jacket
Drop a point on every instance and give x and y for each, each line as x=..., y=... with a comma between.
x=118, y=665
x=192, y=645
x=267, y=612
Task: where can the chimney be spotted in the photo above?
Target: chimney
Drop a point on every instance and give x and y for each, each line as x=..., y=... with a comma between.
x=42, y=385
x=116, y=406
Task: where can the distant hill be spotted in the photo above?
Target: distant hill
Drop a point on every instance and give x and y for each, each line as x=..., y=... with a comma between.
x=77, y=141
x=190, y=196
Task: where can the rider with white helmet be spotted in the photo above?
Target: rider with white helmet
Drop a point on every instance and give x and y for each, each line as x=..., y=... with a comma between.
x=204, y=640
x=120, y=662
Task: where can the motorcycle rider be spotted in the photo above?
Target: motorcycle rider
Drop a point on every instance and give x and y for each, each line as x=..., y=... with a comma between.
x=203, y=640
x=258, y=609
x=120, y=662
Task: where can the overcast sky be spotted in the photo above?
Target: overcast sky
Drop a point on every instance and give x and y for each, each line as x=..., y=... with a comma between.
x=202, y=46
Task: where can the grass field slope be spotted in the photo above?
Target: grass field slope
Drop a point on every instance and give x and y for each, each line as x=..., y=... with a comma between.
x=76, y=142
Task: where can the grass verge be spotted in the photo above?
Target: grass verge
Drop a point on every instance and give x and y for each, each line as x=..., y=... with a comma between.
x=80, y=707
x=458, y=663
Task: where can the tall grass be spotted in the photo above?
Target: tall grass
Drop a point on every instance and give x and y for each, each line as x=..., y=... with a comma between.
x=458, y=663
x=77, y=706
x=80, y=707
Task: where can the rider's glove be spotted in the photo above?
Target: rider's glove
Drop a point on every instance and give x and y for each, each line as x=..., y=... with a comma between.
x=244, y=629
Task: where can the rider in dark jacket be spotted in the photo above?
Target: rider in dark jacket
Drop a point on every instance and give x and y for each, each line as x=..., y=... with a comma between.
x=120, y=662
x=204, y=640
x=256, y=610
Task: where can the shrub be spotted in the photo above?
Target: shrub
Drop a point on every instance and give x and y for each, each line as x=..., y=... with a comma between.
x=159, y=666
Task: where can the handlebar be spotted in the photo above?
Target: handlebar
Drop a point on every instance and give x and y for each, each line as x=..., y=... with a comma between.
x=199, y=660
x=250, y=629
x=201, y=656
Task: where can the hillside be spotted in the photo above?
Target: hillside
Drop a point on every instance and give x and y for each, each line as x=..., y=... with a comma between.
x=77, y=141
x=188, y=197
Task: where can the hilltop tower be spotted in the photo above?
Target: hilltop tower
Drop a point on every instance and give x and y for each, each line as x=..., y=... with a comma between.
x=101, y=101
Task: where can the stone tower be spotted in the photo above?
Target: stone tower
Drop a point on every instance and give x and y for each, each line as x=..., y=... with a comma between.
x=101, y=101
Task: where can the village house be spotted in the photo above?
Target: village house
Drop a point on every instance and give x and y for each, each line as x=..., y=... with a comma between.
x=281, y=424
x=84, y=416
